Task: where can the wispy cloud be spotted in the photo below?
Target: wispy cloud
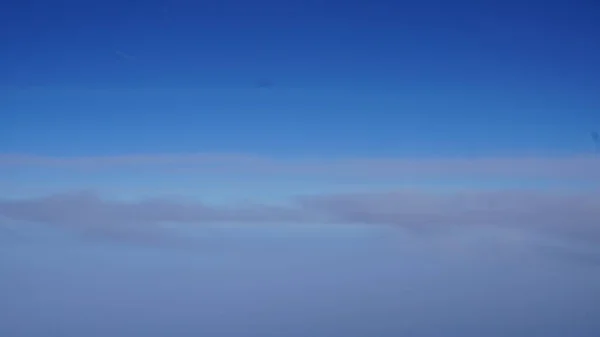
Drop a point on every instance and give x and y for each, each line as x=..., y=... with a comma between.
x=580, y=168
x=124, y=55
x=571, y=216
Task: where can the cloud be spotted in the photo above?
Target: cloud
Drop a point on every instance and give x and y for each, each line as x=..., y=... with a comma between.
x=572, y=168
x=565, y=215
x=568, y=214
x=86, y=212
x=124, y=55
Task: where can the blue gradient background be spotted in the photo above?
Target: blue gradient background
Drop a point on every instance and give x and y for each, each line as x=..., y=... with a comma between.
x=358, y=79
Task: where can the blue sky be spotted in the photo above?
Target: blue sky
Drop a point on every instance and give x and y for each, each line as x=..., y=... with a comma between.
x=368, y=78
x=415, y=168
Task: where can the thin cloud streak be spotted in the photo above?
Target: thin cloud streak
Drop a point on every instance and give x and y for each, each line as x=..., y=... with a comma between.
x=569, y=216
x=576, y=168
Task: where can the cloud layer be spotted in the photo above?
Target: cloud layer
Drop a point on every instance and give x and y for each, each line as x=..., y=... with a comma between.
x=582, y=168
x=562, y=214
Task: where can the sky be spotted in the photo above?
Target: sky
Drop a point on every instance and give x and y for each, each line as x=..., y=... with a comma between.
x=299, y=168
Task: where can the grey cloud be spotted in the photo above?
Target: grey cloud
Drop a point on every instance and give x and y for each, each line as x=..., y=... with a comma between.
x=568, y=213
x=563, y=214
x=87, y=213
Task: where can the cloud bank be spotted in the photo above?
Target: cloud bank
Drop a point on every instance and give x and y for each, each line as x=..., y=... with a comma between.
x=570, y=215
x=567, y=215
x=580, y=168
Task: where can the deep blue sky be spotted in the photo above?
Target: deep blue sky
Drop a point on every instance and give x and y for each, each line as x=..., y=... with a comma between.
x=350, y=78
